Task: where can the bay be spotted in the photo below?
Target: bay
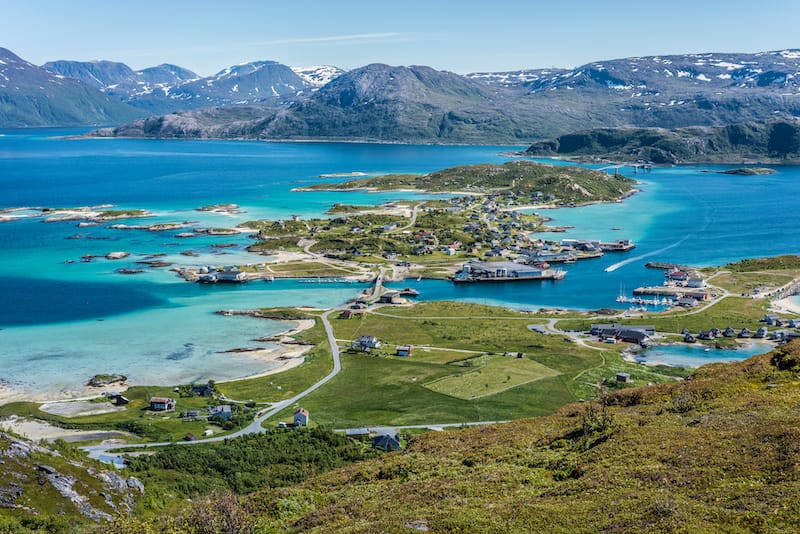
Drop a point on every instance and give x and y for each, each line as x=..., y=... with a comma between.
x=86, y=318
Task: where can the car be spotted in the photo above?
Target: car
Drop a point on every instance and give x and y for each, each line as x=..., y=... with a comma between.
x=281, y=425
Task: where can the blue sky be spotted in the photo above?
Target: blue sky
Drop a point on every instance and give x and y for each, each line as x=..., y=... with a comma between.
x=460, y=36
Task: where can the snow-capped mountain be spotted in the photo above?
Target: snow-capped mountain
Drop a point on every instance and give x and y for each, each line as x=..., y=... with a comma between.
x=777, y=70
x=32, y=96
x=318, y=75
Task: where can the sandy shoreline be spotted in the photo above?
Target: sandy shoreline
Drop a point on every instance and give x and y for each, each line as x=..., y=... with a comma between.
x=285, y=355
x=786, y=305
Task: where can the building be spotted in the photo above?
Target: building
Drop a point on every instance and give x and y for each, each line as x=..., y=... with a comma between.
x=301, y=417
x=366, y=343
x=600, y=328
x=390, y=297
x=118, y=399
x=203, y=390
x=222, y=412
x=625, y=378
x=162, y=404
x=404, y=350
x=387, y=442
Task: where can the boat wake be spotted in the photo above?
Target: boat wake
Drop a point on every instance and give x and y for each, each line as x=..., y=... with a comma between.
x=622, y=263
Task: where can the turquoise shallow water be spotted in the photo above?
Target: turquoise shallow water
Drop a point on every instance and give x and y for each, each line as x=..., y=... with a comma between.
x=63, y=322
x=697, y=355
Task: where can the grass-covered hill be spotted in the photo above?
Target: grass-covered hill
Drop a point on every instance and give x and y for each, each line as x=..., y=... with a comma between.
x=773, y=141
x=716, y=453
x=523, y=178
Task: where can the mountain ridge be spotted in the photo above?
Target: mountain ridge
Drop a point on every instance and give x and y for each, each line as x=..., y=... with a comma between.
x=31, y=96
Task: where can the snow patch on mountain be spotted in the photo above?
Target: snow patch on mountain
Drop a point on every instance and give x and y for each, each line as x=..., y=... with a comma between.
x=318, y=75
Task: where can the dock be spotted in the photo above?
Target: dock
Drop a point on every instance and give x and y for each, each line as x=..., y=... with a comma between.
x=671, y=291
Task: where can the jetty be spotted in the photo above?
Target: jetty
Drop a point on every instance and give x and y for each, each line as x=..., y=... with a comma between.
x=672, y=291
x=504, y=271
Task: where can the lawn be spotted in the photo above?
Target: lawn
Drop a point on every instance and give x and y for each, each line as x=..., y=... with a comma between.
x=746, y=282
x=492, y=375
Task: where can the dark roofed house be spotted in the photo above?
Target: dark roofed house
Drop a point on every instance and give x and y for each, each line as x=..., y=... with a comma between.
x=223, y=412
x=633, y=336
x=624, y=378
x=119, y=400
x=404, y=350
x=203, y=390
x=387, y=442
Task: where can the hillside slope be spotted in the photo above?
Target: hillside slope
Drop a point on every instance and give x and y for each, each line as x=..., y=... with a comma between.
x=43, y=490
x=32, y=96
x=716, y=453
x=774, y=141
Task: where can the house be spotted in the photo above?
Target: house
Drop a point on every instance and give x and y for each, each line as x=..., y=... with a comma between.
x=744, y=333
x=688, y=338
x=387, y=442
x=346, y=314
x=203, y=390
x=119, y=400
x=761, y=332
x=600, y=328
x=677, y=276
x=190, y=437
x=625, y=378
x=191, y=415
x=633, y=336
x=366, y=343
x=696, y=283
x=301, y=417
x=221, y=412
x=771, y=319
x=390, y=297
x=729, y=332
x=706, y=335
x=403, y=350
x=162, y=404
x=687, y=302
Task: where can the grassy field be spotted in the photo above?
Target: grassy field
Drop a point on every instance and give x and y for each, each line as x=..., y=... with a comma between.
x=746, y=282
x=379, y=388
x=489, y=375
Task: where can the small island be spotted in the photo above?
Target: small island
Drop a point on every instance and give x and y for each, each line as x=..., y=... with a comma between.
x=749, y=171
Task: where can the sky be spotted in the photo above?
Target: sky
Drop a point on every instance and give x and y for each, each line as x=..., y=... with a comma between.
x=458, y=35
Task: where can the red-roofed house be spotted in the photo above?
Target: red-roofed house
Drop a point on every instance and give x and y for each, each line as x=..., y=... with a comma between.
x=301, y=417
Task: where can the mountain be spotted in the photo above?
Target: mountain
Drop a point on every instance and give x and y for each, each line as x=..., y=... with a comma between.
x=379, y=103
x=718, y=452
x=772, y=141
x=318, y=75
x=419, y=104
x=32, y=96
x=167, y=88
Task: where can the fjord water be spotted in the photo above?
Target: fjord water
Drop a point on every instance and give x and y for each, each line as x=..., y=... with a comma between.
x=63, y=322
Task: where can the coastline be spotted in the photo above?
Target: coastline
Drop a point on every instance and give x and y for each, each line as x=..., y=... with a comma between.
x=284, y=356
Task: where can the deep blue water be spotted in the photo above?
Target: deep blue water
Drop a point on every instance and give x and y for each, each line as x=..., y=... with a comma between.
x=51, y=303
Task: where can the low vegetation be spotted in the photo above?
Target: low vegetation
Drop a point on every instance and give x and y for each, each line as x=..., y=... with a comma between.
x=716, y=453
